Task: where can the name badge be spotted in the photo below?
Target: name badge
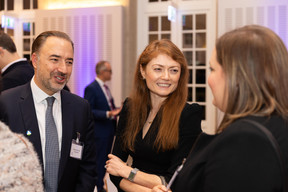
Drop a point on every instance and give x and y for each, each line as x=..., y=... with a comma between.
x=76, y=148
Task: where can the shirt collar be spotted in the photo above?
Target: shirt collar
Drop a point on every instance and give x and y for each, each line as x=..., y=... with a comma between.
x=18, y=60
x=99, y=81
x=40, y=95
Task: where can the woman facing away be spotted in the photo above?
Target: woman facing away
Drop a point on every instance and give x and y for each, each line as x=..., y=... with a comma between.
x=157, y=127
x=248, y=79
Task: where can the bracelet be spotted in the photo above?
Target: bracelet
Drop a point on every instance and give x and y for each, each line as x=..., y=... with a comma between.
x=132, y=174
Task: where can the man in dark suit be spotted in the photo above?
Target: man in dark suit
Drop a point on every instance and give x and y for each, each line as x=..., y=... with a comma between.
x=15, y=70
x=104, y=112
x=61, y=132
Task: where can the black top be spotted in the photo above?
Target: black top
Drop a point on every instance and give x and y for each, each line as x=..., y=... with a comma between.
x=17, y=74
x=146, y=158
x=239, y=159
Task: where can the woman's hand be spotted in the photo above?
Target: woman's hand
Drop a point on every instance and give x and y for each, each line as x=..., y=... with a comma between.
x=115, y=166
x=160, y=188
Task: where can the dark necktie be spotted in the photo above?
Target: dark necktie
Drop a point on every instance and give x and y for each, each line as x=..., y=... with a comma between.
x=109, y=97
x=51, y=150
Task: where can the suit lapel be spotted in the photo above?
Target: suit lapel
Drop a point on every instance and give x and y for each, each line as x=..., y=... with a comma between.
x=67, y=131
x=28, y=112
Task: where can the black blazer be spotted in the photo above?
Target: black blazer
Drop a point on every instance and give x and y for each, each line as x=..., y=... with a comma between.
x=74, y=175
x=239, y=159
x=17, y=74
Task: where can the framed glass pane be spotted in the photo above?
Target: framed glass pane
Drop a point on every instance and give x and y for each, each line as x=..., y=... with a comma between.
x=35, y=4
x=10, y=32
x=201, y=21
x=2, y=5
x=200, y=40
x=27, y=56
x=187, y=22
x=190, y=80
x=189, y=57
x=26, y=4
x=166, y=36
x=33, y=28
x=152, y=38
x=165, y=24
x=203, y=112
x=153, y=23
x=10, y=5
x=26, y=29
x=190, y=94
x=201, y=58
x=200, y=94
x=26, y=44
x=187, y=40
x=200, y=76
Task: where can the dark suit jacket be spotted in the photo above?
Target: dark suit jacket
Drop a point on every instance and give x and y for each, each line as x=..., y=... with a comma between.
x=103, y=127
x=17, y=74
x=239, y=159
x=74, y=175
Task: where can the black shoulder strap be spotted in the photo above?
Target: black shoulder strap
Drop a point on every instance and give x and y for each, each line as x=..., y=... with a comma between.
x=277, y=149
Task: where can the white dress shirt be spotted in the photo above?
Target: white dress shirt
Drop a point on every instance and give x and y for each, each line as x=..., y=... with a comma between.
x=40, y=103
x=6, y=67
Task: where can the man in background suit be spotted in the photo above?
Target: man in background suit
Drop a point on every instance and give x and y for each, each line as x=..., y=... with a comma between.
x=104, y=112
x=69, y=121
x=15, y=70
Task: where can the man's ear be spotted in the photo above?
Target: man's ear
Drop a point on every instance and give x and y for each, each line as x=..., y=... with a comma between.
x=34, y=59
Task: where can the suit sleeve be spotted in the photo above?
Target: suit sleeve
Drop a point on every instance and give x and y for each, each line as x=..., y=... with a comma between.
x=242, y=154
x=90, y=94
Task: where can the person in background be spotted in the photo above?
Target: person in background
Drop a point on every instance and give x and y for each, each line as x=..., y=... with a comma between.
x=104, y=112
x=157, y=127
x=248, y=79
x=15, y=70
x=58, y=123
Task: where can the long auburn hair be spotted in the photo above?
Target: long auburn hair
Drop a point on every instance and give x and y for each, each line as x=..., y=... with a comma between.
x=255, y=62
x=140, y=102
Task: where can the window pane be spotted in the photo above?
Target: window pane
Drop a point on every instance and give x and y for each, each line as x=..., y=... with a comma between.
x=153, y=23
x=200, y=94
x=189, y=57
x=201, y=21
x=201, y=58
x=187, y=40
x=203, y=112
x=10, y=32
x=165, y=36
x=190, y=80
x=27, y=56
x=200, y=40
x=33, y=28
x=190, y=93
x=187, y=22
x=152, y=38
x=2, y=5
x=26, y=44
x=165, y=24
x=26, y=28
x=200, y=76
x=10, y=5
x=35, y=4
x=26, y=4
